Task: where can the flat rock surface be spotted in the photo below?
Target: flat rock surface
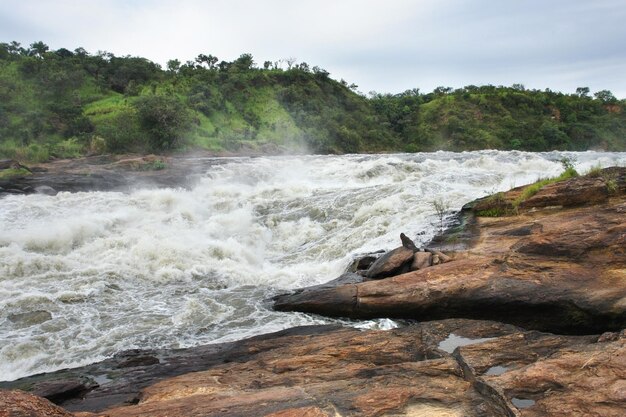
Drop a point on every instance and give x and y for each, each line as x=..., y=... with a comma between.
x=443, y=368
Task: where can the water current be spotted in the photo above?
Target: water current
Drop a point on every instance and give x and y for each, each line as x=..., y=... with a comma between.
x=86, y=275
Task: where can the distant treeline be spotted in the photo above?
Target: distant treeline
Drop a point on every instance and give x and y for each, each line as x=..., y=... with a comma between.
x=69, y=103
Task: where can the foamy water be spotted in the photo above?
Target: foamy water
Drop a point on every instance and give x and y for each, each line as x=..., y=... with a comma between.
x=86, y=275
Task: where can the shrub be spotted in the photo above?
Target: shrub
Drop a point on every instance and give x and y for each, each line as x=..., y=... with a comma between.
x=163, y=119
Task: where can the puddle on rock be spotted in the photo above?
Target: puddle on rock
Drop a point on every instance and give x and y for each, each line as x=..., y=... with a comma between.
x=496, y=370
x=453, y=341
x=522, y=402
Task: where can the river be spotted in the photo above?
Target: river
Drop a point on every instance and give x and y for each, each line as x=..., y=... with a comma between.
x=86, y=275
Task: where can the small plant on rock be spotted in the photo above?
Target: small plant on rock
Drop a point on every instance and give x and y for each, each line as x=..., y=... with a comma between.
x=441, y=208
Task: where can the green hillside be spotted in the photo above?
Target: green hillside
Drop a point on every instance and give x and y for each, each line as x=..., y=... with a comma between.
x=69, y=103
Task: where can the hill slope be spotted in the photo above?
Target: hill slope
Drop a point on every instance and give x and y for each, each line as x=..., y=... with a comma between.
x=67, y=103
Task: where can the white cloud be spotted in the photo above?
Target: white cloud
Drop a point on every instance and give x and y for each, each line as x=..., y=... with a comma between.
x=388, y=45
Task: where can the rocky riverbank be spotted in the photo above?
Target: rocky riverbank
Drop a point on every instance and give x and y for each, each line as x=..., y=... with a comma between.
x=526, y=319
x=557, y=265
x=104, y=173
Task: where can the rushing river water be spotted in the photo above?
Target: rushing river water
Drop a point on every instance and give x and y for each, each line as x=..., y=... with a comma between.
x=86, y=275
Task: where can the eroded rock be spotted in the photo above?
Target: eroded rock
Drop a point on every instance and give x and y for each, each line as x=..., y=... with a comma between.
x=21, y=404
x=392, y=263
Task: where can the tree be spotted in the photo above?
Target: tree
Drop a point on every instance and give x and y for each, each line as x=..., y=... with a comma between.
x=16, y=48
x=209, y=60
x=605, y=96
x=163, y=118
x=290, y=61
x=38, y=49
x=245, y=62
x=442, y=90
x=173, y=65
x=64, y=53
x=582, y=91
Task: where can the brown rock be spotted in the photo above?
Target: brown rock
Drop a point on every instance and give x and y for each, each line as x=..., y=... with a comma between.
x=446, y=368
x=392, y=263
x=421, y=260
x=300, y=412
x=344, y=372
x=579, y=191
x=443, y=258
x=575, y=192
x=582, y=380
x=22, y=404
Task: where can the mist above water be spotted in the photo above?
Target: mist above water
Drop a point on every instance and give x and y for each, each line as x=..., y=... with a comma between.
x=86, y=275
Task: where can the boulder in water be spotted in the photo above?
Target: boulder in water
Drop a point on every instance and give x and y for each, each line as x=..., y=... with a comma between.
x=45, y=189
x=392, y=263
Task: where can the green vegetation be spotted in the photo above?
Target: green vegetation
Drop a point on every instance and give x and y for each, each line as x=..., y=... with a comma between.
x=6, y=174
x=506, y=204
x=69, y=103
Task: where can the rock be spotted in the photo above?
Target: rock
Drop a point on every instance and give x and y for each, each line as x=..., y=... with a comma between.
x=62, y=390
x=21, y=404
x=30, y=318
x=344, y=372
x=408, y=243
x=451, y=367
x=580, y=191
x=139, y=360
x=362, y=263
x=443, y=258
x=392, y=263
x=547, y=375
x=45, y=189
x=486, y=369
x=421, y=260
x=12, y=164
x=564, y=275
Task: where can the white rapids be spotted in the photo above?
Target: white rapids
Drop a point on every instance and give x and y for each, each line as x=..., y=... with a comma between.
x=86, y=275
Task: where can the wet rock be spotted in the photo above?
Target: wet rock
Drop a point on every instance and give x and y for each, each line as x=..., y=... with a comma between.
x=139, y=360
x=22, y=404
x=45, y=189
x=30, y=318
x=61, y=390
x=392, y=263
x=363, y=263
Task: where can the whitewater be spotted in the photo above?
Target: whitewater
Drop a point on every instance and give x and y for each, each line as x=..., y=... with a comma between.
x=86, y=275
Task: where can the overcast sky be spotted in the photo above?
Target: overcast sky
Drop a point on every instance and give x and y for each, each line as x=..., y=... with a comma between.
x=385, y=46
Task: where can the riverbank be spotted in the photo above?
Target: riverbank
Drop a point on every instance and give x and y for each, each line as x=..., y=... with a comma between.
x=550, y=278
x=105, y=173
